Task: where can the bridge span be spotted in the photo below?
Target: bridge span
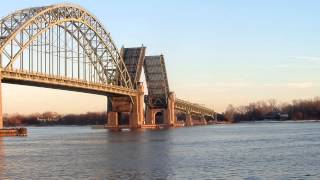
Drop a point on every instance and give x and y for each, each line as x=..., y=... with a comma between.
x=63, y=46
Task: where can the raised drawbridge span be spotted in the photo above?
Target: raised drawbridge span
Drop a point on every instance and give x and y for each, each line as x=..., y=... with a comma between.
x=63, y=46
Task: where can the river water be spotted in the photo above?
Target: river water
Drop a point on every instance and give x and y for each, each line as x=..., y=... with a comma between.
x=238, y=151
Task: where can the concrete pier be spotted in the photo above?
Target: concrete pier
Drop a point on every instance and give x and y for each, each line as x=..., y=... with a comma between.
x=134, y=107
x=189, y=121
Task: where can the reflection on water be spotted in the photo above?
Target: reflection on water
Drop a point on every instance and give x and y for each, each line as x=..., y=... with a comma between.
x=138, y=154
x=2, y=160
x=249, y=151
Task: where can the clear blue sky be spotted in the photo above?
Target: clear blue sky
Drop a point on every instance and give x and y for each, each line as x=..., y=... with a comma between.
x=217, y=52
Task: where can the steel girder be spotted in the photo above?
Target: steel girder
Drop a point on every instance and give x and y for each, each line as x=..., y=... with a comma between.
x=26, y=30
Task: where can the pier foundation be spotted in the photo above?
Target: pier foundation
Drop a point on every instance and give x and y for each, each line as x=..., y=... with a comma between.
x=132, y=106
x=112, y=119
x=189, y=121
x=168, y=113
x=203, y=120
x=170, y=109
x=137, y=113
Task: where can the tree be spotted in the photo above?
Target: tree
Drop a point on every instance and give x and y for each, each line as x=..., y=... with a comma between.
x=230, y=113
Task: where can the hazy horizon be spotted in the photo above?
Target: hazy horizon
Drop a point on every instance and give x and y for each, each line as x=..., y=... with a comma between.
x=217, y=52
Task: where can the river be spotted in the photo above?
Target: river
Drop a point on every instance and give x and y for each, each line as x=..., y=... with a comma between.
x=285, y=150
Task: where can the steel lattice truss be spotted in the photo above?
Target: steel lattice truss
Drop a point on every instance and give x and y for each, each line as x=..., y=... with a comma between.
x=61, y=41
x=134, y=60
x=193, y=108
x=157, y=81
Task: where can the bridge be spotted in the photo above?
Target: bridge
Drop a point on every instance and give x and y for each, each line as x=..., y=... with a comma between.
x=63, y=46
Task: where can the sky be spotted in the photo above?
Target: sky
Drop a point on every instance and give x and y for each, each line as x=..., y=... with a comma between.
x=217, y=52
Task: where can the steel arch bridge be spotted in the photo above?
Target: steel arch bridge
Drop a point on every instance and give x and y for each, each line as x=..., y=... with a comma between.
x=63, y=46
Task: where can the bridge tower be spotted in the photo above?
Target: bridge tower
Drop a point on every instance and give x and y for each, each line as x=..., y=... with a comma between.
x=160, y=102
x=127, y=111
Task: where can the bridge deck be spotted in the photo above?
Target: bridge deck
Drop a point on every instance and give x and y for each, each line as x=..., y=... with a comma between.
x=58, y=82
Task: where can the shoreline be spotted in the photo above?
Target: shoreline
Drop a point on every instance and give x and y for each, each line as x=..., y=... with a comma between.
x=98, y=126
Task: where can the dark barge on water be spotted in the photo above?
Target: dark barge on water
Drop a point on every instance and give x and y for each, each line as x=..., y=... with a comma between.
x=13, y=132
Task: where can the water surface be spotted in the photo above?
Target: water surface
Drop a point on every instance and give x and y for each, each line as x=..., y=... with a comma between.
x=238, y=151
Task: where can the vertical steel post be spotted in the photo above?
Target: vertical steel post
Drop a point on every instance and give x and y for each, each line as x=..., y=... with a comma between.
x=65, y=50
x=78, y=33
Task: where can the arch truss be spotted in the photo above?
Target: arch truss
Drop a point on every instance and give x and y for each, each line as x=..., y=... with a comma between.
x=61, y=41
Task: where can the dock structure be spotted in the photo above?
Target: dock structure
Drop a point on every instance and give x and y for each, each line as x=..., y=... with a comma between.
x=13, y=132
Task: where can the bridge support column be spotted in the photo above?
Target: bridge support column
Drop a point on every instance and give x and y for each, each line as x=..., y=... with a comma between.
x=1, y=117
x=189, y=121
x=113, y=119
x=203, y=120
x=150, y=116
x=170, y=119
x=168, y=113
x=123, y=105
x=137, y=114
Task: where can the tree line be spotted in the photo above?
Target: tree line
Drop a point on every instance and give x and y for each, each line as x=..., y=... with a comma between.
x=53, y=118
x=308, y=109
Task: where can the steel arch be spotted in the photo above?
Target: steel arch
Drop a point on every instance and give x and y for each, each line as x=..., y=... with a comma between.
x=42, y=18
